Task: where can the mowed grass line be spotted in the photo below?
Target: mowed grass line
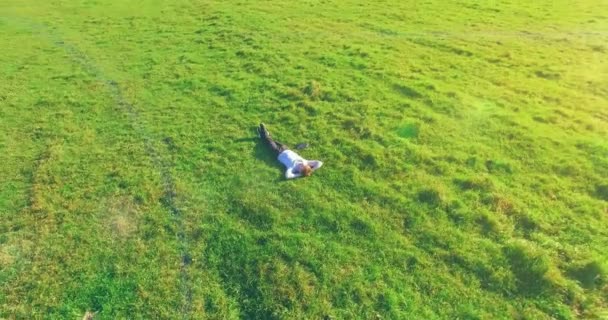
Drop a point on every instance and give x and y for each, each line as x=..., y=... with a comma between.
x=465, y=157
x=122, y=224
x=168, y=183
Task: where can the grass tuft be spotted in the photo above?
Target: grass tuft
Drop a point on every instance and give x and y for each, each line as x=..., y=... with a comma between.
x=430, y=197
x=591, y=274
x=313, y=90
x=601, y=192
x=529, y=265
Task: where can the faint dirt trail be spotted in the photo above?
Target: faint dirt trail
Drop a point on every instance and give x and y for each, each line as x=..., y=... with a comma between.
x=168, y=199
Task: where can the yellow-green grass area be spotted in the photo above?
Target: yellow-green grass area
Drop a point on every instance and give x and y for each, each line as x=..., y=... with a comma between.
x=465, y=146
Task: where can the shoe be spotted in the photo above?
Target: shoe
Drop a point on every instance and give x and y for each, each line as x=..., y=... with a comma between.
x=263, y=132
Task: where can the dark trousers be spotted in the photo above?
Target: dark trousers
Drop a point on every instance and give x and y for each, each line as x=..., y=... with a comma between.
x=274, y=145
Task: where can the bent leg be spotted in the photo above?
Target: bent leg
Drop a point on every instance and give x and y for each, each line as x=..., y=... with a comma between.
x=274, y=145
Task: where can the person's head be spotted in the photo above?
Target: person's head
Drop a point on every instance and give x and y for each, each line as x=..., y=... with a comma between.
x=305, y=170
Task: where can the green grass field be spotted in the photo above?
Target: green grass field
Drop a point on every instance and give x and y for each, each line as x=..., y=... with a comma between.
x=465, y=147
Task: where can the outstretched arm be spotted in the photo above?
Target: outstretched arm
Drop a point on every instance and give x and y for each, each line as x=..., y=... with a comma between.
x=315, y=164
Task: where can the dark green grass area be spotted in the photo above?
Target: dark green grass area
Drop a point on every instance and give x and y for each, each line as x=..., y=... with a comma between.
x=465, y=148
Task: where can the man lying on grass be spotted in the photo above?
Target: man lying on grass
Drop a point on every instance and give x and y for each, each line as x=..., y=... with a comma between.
x=296, y=165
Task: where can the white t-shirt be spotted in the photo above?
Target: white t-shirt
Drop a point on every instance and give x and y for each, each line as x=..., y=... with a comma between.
x=292, y=160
